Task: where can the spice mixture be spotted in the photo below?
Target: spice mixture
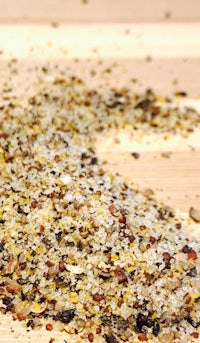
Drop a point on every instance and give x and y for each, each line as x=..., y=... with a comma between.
x=79, y=247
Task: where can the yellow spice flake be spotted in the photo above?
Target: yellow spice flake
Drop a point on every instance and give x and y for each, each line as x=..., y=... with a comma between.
x=114, y=257
x=74, y=297
x=194, y=296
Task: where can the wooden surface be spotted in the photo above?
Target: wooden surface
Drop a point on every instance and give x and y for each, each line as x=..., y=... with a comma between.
x=174, y=65
x=65, y=11
x=175, y=179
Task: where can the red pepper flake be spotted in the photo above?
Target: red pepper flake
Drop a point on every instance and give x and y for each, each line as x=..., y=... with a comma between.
x=178, y=226
x=49, y=327
x=122, y=219
x=98, y=331
x=52, y=340
x=87, y=102
x=49, y=264
x=147, y=275
x=82, y=175
x=148, y=246
x=195, y=334
x=4, y=135
x=52, y=195
x=98, y=297
x=112, y=210
x=20, y=316
x=90, y=337
x=91, y=173
x=142, y=227
x=106, y=310
x=10, y=290
x=61, y=266
x=131, y=238
x=85, y=306
x=192, y=255
x=187, y=298
x=39, y=167
x=142, y=337
x=57, y=158
x=42, y=228
x=8, y=158
x=34, y=204
x=120, y=274
x=64, y=205
x=22, y=265
x=152, y=239
x=167, y=256
x=155, y=109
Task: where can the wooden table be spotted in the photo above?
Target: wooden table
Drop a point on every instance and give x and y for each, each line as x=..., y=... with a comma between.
x=157, y=43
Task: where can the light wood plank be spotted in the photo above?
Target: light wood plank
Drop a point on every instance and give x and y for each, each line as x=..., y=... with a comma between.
x=101, y=40
x=99, y=11
x=176, y=56
x=143, y=54
x=175, y=180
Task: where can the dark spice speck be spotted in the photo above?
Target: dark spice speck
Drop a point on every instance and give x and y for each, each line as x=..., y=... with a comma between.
x=65, y=316
x=110, y=338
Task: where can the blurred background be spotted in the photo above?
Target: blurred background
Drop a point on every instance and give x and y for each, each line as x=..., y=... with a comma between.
x=87, y=11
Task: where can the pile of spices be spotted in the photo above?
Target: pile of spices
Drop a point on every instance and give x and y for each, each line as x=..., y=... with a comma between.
x=78, y=247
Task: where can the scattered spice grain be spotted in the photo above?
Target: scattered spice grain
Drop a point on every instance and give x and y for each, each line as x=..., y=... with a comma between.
x=78, y=247
x=90, y=337
x=49, y=327
x=136, y=155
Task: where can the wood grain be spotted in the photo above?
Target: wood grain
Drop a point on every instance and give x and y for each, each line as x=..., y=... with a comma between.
x=65, y=11
x=134, y=41
x=175, y=180
x=169, y=53
x=175, y=52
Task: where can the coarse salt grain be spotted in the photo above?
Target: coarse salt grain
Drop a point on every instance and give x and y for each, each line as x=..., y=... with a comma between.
x=74, y=269
x=66, y=179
